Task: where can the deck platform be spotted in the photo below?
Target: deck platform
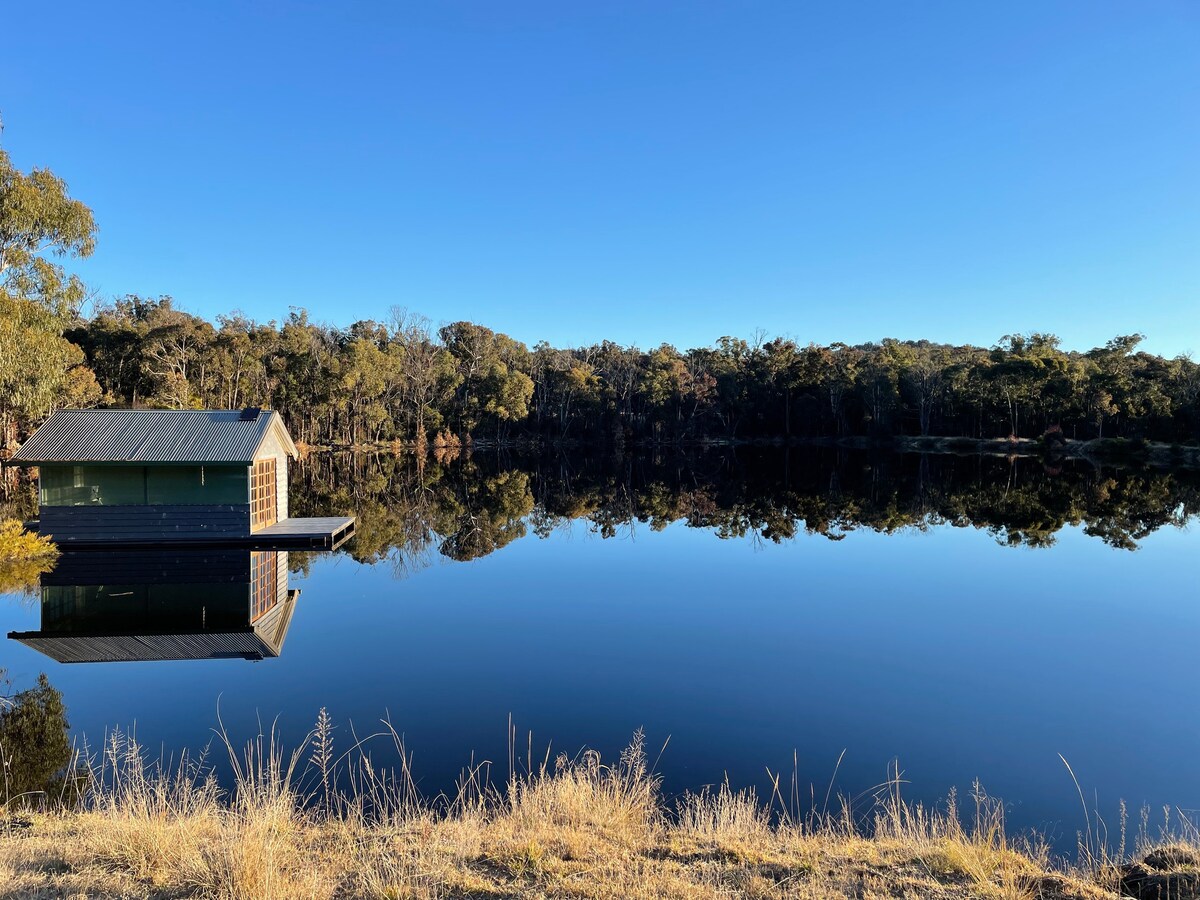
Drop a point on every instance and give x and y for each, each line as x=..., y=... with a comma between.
x=324, y=533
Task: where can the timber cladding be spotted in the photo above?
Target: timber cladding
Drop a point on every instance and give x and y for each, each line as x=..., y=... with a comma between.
x=108, y=523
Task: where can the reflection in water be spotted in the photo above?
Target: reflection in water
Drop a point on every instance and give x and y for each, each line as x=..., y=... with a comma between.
x=941, y=648
x=34, y=745
x=164, y=604
x=468, y=507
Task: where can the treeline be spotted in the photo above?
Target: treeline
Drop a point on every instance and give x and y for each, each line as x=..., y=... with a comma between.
x=403, y=380
x=464, y=506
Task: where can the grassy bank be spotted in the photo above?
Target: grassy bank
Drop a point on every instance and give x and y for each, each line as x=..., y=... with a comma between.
x=573, y=829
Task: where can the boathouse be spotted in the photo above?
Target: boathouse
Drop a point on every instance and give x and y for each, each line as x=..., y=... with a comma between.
x=150, y=476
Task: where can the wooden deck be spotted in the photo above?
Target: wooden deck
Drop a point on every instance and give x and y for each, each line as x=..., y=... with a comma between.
x=327, y=533
x=294, y=534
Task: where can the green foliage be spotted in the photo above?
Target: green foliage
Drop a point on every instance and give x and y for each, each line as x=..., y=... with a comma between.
x=37, y=217
x=493, y=384
x=376, y=382
x=34, y=746
x=38, y=368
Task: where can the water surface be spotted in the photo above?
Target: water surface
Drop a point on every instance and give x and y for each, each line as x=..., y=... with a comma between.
x=969, y=617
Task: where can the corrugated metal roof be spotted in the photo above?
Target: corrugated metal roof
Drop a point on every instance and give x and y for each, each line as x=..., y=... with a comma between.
x=149, y=435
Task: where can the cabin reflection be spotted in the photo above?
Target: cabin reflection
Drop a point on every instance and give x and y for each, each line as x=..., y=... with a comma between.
x=153, y=605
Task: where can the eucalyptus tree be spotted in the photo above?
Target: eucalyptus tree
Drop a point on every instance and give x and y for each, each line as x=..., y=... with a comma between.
x=493, y=385
x=618, y=368
x=662, y=387
x=782, y=365
x=726, y=363
x=112, y=341
x=1185, y=397
x=240, y=351
x=304, y=370
x=370, y=381
x=879, y=384
x=38, y=218
x=38, y=299
x=39, y=369
x=176, y=348
x=430, y=376
x=1112, y=390
x=567, y=388
x=924, y=368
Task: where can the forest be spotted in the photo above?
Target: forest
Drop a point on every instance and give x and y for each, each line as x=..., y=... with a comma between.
x=398, y=378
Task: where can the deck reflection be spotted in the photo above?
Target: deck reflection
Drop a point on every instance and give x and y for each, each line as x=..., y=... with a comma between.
x=153, y=605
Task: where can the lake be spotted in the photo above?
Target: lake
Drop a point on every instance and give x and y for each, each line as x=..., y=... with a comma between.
x=758, y=609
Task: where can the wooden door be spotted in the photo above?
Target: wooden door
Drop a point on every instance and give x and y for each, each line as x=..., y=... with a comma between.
x=264, y=504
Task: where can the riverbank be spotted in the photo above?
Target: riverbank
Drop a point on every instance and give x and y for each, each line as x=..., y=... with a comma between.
x=578, y=829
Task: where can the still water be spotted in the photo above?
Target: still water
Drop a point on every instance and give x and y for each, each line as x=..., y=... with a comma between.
x=970, y=618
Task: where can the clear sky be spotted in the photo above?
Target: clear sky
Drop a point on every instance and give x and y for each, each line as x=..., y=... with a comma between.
x=635, y=170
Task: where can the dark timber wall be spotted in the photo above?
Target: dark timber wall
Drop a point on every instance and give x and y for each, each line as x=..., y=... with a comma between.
x=143, y=523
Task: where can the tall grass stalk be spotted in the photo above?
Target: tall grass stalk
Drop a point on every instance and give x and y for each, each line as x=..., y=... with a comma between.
x=324, y=822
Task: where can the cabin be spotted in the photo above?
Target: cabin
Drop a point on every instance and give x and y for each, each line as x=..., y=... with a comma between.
x=154, y=605
x=152, y=477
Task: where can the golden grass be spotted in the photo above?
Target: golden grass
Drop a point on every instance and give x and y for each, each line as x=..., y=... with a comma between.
x=569, y=828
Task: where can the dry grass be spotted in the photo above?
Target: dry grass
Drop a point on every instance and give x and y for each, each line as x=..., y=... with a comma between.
x=568, y=828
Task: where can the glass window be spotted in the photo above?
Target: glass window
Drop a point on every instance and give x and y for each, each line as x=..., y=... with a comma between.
x=173, y=484
x=140, y=485
x=225, y=484
x=92, y=485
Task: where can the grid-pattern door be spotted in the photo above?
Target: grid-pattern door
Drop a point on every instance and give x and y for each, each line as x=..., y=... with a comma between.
x=264, y=583
x=263, y=502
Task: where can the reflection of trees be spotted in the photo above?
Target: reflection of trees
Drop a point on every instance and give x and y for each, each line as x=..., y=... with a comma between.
x=473, y=505
x=34, y=749
x=490, y=514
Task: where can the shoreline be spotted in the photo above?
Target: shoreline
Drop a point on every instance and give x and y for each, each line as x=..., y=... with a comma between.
x=573, y=828
x=1097, y=451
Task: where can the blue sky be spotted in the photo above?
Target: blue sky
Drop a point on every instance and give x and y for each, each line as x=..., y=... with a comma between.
x=639, y=171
